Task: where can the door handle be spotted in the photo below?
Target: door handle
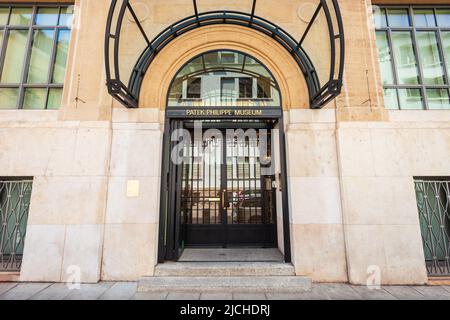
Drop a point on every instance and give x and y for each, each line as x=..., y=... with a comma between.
x=224, y=193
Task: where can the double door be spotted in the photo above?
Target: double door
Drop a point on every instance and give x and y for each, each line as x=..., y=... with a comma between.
x=226, y=194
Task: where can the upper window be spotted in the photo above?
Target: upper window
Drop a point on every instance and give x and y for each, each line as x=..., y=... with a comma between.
x=414, y=54
x=34, y=42
x=224, y=78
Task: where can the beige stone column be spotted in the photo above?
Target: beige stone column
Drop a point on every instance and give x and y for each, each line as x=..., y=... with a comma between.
x=381, y=224
x=85, y=96
x=362, y=96
x=69, y=157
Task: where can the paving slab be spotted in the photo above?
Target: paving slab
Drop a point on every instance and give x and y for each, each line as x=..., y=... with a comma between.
x=284, y=296
x=338, y=291
x=183, y=296
x=373, y=294
x=216, y=296
x=57, y=291
x=6, y=286
x=249, y=296
x=89, y=291
x=24, y=291
x=433, y=292
x=120, y=291
x=317, y=292
x=150, y=296
x=127, y=290
x=404, y=292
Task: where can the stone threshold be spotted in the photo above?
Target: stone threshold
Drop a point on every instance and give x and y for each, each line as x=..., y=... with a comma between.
x=439, y=281
x=9, y=276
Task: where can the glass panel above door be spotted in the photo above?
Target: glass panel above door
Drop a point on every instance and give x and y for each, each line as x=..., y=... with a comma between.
x=224, y=79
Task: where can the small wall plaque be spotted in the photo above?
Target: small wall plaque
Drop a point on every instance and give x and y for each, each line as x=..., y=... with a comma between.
x=133, y=188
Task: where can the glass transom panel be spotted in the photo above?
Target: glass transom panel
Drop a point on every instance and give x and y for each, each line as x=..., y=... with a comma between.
x=224, y=79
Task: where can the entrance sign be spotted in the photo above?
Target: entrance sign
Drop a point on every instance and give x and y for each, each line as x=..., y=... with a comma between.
x=319, y=51
x=224, y=112
x=230, y=113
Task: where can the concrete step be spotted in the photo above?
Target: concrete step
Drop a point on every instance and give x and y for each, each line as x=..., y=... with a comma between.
x=223, y=269
x=274, y=284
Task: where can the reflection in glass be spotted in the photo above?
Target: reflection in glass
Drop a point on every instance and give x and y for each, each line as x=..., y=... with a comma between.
x=4, y=12
x=177, y=91
x=264, y=89
x=424, y=18
x=62, y=48
x=398, y=18
x=66, y=17
x=40, y=56
x=8, y=98
x=438, y=99
x=391, y=99
x=47, y=16
x=245, y=88
x=20, y=16
x=443, y=17
x=15, y=56
x=227, y=79
x=385, y=58
x=228, y=90
x=227, y=57
x=54, y=98
x=411, y=99
x=1, y=39
x=35, y=98
x=405, y=58
x=446, y=45
x=432, y=66
x=194, y=88
x=379, y=15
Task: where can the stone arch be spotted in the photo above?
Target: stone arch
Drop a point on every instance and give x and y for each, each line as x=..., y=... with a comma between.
x=170, y=60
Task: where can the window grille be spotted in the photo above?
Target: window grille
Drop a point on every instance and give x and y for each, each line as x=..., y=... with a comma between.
x=14, y=205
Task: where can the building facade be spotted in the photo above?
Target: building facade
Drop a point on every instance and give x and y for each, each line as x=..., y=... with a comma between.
x=354, y=184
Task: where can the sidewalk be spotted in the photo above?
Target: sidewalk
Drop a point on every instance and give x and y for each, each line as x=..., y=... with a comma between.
x=127, y=291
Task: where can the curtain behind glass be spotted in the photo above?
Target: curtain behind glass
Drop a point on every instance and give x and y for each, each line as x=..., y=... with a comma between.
x=430, y=59
x=15, y=56
x=405, y=58
x=40, y=56
x=446, y=45
x=62, y=48
x=385, y=58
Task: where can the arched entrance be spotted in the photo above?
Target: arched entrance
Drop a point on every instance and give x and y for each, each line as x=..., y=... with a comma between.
x=224, y=171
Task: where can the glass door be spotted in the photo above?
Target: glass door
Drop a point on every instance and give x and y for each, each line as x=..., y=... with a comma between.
x=227, y=195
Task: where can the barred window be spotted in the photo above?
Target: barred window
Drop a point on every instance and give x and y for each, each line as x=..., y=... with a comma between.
x=414, y=54
x=433, y=202
x=15, y=195
x=34, y=42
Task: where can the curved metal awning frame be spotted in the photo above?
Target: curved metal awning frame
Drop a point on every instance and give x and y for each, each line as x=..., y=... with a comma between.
x=128, y=94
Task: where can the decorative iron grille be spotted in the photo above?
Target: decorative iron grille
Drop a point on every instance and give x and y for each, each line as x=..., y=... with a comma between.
x=433, y=200
x=14, y=205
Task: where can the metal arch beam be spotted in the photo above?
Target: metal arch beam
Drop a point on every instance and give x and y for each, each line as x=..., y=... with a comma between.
x=320, y=94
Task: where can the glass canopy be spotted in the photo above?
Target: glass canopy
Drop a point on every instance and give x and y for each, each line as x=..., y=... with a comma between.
x=224, y=79
x=137, y=31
